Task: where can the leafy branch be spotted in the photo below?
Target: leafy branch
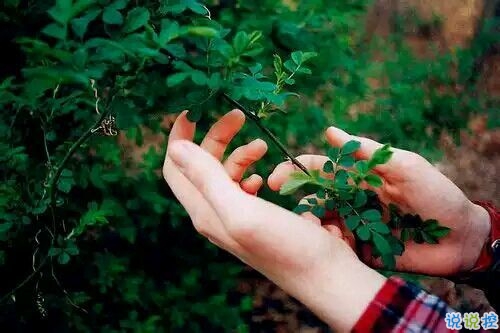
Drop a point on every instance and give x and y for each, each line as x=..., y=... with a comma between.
x=342, y=188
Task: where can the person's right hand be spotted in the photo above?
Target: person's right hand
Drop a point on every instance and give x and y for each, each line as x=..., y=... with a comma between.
x=417, y=187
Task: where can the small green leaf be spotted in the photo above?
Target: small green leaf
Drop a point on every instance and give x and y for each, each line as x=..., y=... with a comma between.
x=371, y=215
x=330, y=204
x=112, y=16
x=72, y=250
x=55, y=30
x=363, y=233
x=347, y=161
x=328, y=167
x=136, y=18
x=297, y=57
x=344, y=210
x=176, y=79
x=350, y=147
x=374, y=180
x=296, y=181
x=381, y=244
x=360, y=199
x=352, y=222
x=362, y=167
x=4, y=227
x=405, y=235
x=63, y=258
x=318, y=211
x=321, y=193
x=380, y=227
x=54, y=251
x=203, y=31
x=439, y=233
x=428, y=238
x=302, y=209
x=380, y=156
x=389, y=261
x=333, y=153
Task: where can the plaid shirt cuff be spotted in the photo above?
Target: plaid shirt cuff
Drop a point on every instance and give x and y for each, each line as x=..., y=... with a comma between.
x=401, y=306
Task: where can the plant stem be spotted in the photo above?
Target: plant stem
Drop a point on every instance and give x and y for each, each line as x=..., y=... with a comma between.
x=252, y=116
x=266, y=131
x=60, y=167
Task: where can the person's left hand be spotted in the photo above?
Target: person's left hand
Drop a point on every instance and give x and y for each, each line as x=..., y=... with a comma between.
x=301, y=257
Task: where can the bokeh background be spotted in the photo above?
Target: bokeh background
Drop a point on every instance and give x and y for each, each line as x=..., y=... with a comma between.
x=422, y=75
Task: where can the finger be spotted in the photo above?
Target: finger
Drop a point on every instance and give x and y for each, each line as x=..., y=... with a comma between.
x=252, y=184
x=337, y=138
x=183, y=129
x=311, y=217
x=247, y=218
x=222, y=132
x=334, y=230
x=282, y=172
x=242, y=157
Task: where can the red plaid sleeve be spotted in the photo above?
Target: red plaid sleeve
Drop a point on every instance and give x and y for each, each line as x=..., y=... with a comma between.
x=401, y=306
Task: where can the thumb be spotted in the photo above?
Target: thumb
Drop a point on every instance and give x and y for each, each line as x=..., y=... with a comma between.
x=337, y=138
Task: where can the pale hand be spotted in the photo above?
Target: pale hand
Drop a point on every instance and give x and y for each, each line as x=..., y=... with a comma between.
x=417, y=187
x=302, y=258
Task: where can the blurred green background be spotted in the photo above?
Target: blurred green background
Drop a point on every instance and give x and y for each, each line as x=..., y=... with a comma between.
x=417, y=74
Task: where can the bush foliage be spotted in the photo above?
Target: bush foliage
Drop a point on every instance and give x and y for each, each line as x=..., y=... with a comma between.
x=94, y=242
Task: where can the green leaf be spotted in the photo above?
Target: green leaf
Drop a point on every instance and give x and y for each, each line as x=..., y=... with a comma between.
x=363, y=233
x=194, y=115
x=330, y=204
x=360, y=199
x=374, y=180
x=302, y=209
x=380, y=227
x=381, y=244
x=352, y=222
x=428, y=238
x=72, y=250
x=296, y=181
x=362, y=167
x=328, y=167
x=203, y=32
x=63, y=258
x=176, y=79
x=136, y=18
x=54, y=251
x=405, y=235
x=346, y=161
x=380, y=156
x=439, y=233
x=297, y=57
x=350, y=147
x=112, y=16
x=4, y=227
x=371, y=215
x=321, y=193
x=344, y=210
x=55, y=30
x=333, y=153
x=318, y=211
x=79, y=25
x=389, y=261
x=66, y=181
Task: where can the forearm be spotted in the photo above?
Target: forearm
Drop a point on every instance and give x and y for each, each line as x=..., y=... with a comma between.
x=475, y=236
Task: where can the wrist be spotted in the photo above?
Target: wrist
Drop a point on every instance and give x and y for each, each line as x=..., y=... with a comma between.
x=476, y=236
x=343, y=291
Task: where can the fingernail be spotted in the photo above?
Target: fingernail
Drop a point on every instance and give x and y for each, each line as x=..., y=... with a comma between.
x=179, y=151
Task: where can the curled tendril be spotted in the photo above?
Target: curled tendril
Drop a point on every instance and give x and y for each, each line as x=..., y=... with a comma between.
x=107, y=126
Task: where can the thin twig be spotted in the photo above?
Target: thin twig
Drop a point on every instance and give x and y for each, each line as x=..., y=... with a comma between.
x=266, y=131
x=254, y=118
